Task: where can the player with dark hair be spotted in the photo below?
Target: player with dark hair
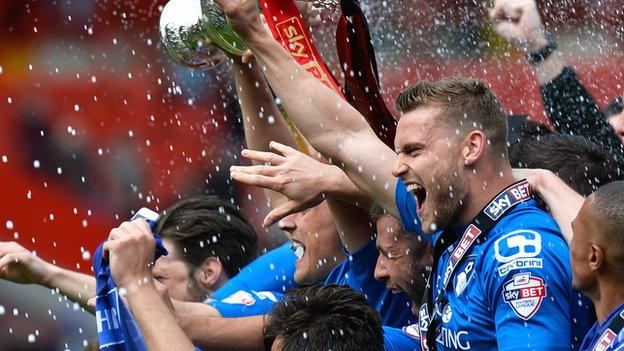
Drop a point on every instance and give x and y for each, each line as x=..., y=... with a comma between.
x=581, y=163
x=593, y=227
x=213, y=240
x=208, y=241
x=323, y=317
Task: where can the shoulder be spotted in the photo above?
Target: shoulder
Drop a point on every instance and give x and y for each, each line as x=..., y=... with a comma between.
x=526, y=241
x=526, y=232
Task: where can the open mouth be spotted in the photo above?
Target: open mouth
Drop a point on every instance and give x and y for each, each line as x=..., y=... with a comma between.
x=419, y=193
x=298, y=249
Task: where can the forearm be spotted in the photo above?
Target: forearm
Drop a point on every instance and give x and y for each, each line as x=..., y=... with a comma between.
x=76, y=286
x=353, y=225
x=158, y=325
x=572, y=110
x=262, y=119
x=563, y=202
x=321, y=115
x=227, y=334
x=549, y=69
x=330, y=124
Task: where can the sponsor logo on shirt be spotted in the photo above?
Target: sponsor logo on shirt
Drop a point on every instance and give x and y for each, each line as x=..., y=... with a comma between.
x=517, y=250
x=463, y=277
x=447, y=313
x=524, y=294
x=450, y=338
x=240, y=297
x=502, y=202
x=605, y=341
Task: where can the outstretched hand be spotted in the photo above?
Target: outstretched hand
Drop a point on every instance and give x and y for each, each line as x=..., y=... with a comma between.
x=21, y=266
x=297, y=176
x=519, y=22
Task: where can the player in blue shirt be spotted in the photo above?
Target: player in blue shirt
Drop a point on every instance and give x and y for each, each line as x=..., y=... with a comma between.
x=593, y=226
x=313, y=232
x=451, y=153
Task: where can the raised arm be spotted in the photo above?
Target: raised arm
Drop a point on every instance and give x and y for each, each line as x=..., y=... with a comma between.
x=330, y=124
x=569, y=106
x=562, y=201
x=21, y=266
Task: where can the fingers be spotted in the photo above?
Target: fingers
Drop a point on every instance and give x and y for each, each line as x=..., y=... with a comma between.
x=258, y=169
x=247, y=57
x=10, y=247
x=5, y=261
x=264, y=157
x=283, y=149
x=279, y=213
x=255, y=180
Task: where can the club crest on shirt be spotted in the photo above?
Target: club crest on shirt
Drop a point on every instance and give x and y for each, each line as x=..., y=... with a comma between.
x=463, y=277
x=524, y=294
x=240, y=297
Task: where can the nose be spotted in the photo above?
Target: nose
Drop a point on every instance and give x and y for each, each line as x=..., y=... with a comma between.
x=381, y=273
x=288, y=223
x=399, y=167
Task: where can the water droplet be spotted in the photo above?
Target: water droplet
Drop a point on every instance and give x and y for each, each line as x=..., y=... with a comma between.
x=9, y=225
x=36, y=164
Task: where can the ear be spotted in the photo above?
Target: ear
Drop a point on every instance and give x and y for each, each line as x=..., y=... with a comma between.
x=473, y=147
x=209, y=273
x=596, y=258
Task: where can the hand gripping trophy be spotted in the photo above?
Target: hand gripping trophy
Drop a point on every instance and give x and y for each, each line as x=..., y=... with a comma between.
x=195, y=32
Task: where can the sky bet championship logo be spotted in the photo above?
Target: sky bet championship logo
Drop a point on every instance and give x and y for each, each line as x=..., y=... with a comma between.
x=502, y=202
x=524, y=294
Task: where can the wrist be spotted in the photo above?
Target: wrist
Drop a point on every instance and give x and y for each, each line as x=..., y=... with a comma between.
x=334, y=183
x=50, y=276
x=136, y=283
x=537, y=41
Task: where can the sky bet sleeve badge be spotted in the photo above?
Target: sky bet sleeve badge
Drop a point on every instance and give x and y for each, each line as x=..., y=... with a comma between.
x=524, y=294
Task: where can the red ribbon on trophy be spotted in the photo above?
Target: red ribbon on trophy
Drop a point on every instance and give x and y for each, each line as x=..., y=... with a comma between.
x=356, y=53
x=289, y=29
x=357, y=60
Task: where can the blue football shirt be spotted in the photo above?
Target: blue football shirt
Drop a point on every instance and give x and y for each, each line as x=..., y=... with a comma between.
x=512, y=291
x=600, y=339
x=357, y=272
x=274, y=271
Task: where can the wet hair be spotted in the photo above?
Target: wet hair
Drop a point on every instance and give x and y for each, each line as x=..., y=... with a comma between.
x=467, y=104
x=579, y=162
x=324, y=317
x=616, y=106
x=206, y=226
x=608, y=210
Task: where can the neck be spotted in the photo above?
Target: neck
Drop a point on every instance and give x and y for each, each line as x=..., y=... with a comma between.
x=607, y=297
x=482, y=187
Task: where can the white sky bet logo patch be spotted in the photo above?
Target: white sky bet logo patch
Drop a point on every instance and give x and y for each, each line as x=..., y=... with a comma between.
x=524, y=294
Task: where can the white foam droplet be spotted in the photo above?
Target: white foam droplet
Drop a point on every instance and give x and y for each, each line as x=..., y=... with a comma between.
x=9, y=225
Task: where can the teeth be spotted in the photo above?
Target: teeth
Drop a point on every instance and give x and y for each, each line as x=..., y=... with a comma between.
x=413, y=187
x=298, y=249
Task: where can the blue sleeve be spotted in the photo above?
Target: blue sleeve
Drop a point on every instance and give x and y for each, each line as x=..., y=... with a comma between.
x=406, y=205
x=246, y=303
x=399, y=340
x=358, y=272
x=527, y=281
x=276, y=267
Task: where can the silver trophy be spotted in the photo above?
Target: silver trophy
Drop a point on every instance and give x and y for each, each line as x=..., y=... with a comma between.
x=194, y=33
